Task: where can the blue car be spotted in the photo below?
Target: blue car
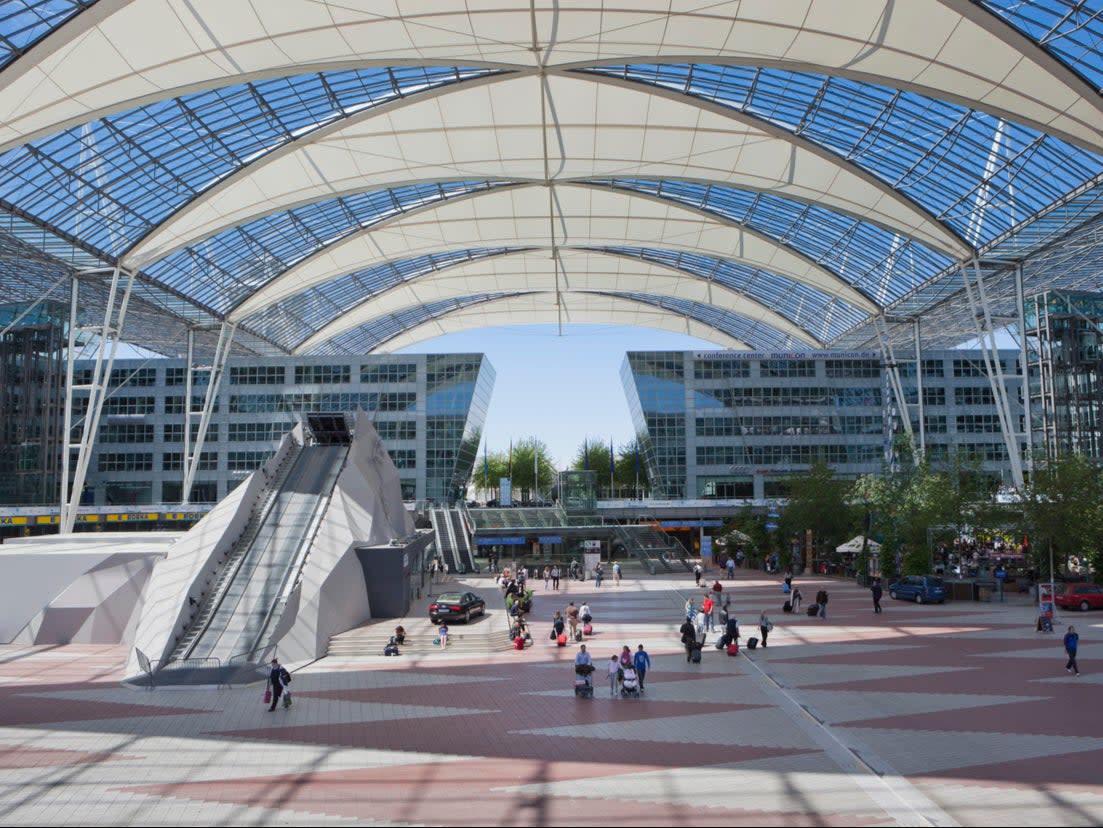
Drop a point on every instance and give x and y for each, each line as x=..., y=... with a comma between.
x=923, y=589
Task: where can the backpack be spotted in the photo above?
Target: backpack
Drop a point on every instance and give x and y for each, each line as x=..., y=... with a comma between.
x=285, y=677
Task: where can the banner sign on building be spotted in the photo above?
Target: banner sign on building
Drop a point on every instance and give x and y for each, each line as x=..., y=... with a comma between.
x=505, y=492
x=738, y=355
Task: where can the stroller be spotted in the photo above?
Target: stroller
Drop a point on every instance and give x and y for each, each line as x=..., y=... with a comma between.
x=583, y=681
x=629, y=684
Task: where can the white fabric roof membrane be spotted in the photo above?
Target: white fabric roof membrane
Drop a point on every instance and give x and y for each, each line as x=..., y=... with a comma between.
x=123, y=53
x=582, y=217
x=493, y=129
x=536, y=271
x=565, y=309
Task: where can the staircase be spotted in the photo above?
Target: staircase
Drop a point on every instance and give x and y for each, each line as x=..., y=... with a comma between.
x=446, y=539
x=463, y=541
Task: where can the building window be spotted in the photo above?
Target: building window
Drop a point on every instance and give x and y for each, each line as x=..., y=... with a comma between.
x=322, y=374
x=116, y=461
x=393, y=372
x=258, y=375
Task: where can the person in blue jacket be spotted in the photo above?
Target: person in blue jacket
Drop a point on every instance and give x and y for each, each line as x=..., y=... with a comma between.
x=1072, y=642
x=643, y=663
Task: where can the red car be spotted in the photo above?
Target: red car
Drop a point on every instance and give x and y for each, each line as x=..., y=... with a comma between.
x=1080, y=596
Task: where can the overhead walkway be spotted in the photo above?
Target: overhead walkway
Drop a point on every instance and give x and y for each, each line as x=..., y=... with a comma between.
x=253, y=582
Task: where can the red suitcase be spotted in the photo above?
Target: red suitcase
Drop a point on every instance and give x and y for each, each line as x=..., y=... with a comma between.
x=733, y=649
x=561, y=640
x=588, y=629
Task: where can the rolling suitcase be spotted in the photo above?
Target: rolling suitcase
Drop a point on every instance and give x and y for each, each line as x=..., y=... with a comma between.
x=733, y=649
x=813, y=610
x=752, y=643
x=578, y=635
x=695, y=655
x=588, y=629
x=561, y=640
x=787, y=606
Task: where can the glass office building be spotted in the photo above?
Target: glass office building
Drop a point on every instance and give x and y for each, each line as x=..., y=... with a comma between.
x=429, y=410
x=735, y=424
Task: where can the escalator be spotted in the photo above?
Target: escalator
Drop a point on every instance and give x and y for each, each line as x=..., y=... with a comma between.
x=248, y=603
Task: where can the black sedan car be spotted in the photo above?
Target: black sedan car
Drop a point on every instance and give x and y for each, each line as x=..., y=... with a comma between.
x=456, y=606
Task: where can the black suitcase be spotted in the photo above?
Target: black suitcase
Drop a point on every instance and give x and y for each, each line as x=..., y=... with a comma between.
x=787, y=606
x=695, y=655
x=578, y=635
x=813, y=610
x=752, y=643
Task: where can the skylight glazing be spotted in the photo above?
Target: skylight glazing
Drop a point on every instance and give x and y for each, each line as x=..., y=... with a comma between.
x=821, y=315
x=978, y=174
x=379, y=331
x=296, y=318
x=878, y=262
x=1070, y=30
x=24, y=22
x=740, y=327
x=227, y=268
x=112, y=180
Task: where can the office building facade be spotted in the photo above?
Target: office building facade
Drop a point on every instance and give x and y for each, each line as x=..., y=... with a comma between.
x=734, y=424
x=429, y=410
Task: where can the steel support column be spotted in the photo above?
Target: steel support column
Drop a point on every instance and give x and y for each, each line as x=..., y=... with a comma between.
x=986, y=338
x=893, y=371
x=109, y=333
x=221, y=354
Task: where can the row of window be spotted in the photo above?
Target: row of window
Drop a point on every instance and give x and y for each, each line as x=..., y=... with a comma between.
x=786, y=453
x=300, y=402
x=136, y=461
x=791, y=396
x=739, y=426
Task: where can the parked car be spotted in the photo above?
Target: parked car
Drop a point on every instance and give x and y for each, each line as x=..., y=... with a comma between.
x=923, y=589
x=1079, y=596
x=456, y=606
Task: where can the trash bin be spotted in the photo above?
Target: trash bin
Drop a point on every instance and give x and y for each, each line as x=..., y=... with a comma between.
x=985, y=590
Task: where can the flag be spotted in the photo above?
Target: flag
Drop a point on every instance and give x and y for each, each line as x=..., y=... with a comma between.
x=585, y=455
x=510, y=472
x=612, y=467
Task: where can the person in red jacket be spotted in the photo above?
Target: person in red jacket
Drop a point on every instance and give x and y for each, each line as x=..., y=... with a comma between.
x=707, y=606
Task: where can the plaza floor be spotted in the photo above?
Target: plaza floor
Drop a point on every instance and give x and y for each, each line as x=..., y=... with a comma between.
x=923, y=715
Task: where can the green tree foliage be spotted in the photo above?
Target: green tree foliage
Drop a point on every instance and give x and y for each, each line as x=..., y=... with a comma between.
x=1063, y=507
x=904, y=504
x=595, y=453
x=821, y=502
x=526, y=486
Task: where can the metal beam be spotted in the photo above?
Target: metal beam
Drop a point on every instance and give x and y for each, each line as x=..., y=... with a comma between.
x=221, y=354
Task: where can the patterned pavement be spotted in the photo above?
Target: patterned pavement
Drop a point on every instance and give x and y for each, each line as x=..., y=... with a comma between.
x=923, y=715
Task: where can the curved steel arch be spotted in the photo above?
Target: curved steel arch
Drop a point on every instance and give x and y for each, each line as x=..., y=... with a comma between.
x=701, y=137
x=520, y=215
x=542, y=309
x=585, y=272
x=950, y=49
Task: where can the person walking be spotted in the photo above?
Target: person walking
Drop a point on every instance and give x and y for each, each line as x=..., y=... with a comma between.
x=689, y=637
x=572, y=620
x=626, y=659
x=558, y=625
x=599, y=573
x=795, y=598
x=877, y=592
x=614, y=675
x=697, y=573
x=707, y=606
x=821, y=599
x=764, y=626
x=643, y=663
x=547, y=576
x=442, y=633
x=278, y=679
x=730, y=566
x=555, y=577
x=1072, y=642
x=616, y=573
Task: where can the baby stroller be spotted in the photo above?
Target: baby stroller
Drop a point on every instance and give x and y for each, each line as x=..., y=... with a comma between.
x=630, y=684
x=583, y=681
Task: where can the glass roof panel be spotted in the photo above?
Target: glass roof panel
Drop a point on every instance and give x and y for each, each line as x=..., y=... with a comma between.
x=1070, y=30
x=365, y=338
x=225, y=269
x=821, y=315
x=24, y=22
x=755, y=334
x=112, y=180
x=978, y=174
x=880, y=263
x=295, y=319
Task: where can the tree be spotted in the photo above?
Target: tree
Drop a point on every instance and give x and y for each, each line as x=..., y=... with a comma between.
x=488, y=472
x=821, y=502
x=523, y=474
x=1062, y=511
x=593, y=454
